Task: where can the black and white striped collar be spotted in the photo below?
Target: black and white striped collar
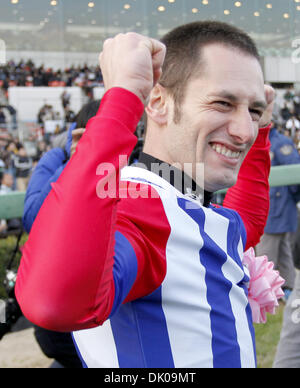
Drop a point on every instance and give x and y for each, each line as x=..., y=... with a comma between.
x=177, y=178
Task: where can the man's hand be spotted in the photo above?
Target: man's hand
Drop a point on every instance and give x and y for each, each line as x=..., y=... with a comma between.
x=76, y=136
x=133, y=62
x=267, y=115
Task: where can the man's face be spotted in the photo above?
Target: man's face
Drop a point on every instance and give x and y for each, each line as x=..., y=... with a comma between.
x=22, y=152
x=219, y=116
x=7, y=180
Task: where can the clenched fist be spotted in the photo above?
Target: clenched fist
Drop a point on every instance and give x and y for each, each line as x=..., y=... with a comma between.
x=133, y=62
x=267, y=115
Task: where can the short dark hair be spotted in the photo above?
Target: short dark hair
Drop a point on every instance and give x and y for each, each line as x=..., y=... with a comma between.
x=184, y=46
x=86, y=113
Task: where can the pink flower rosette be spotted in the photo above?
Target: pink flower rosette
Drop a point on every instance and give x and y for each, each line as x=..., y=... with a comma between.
x=264, y=287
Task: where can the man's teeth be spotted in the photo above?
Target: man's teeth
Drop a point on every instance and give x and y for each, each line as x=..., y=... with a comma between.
x=221, y=149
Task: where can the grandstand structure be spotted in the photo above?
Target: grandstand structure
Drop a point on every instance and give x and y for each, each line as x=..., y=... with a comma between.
x=61, y=33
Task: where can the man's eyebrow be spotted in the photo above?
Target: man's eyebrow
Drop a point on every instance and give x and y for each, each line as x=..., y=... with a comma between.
x=259, y=104
x=231, y=97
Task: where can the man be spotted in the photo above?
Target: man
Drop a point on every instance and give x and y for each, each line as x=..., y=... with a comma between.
x=155, y=277
x=282, y=221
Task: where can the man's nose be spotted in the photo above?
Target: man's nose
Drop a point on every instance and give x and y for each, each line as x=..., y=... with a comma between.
x=242, y=127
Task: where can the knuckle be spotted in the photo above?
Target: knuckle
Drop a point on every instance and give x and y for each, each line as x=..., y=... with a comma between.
x=107, y=42
x=132, y=34
x=120, y=36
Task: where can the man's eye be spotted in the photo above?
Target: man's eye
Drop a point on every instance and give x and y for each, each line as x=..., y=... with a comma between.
x=256, y=114
x=223, y=103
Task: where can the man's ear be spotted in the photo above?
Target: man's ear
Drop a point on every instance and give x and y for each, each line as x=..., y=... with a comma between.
x=157, y=108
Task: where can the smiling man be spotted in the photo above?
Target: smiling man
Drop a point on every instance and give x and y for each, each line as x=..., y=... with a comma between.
x=153, y=276
x=213, y=116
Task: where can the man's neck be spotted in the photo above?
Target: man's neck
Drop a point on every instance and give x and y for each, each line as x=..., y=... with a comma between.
x=176, y=177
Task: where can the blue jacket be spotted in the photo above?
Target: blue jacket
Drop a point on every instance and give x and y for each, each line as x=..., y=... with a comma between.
x=46, y=172
x=283, y=211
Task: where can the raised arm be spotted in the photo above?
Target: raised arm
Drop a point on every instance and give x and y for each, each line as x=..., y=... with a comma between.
x=71, y=245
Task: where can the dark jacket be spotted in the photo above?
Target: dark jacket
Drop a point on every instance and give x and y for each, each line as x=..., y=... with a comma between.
x=23, y=166
x=283, y=211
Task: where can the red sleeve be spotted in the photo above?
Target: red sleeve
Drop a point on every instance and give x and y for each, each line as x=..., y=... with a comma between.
x=148, y=238
x=250, y=196
x=65, y=280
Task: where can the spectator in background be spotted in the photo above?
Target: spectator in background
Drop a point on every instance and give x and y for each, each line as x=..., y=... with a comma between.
x=6, y=183
x=3, y=224
x=23, y=166
x=285, y=112
x=46, y=113
x=8, y=155
x=297, y=105
x=69, y=115
x=289, y=97
x=3, y=143
x=41, y=150
x=293, y=124
x=10, y=150
x=13, y=113
x=65, y=99
x=297, y=140
x=2, y=167
x=2, y=118
x=282, y=222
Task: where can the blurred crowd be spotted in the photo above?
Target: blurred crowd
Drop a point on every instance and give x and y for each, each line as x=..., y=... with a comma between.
x=287, y=115
x=14, y=162
x=28, y=74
